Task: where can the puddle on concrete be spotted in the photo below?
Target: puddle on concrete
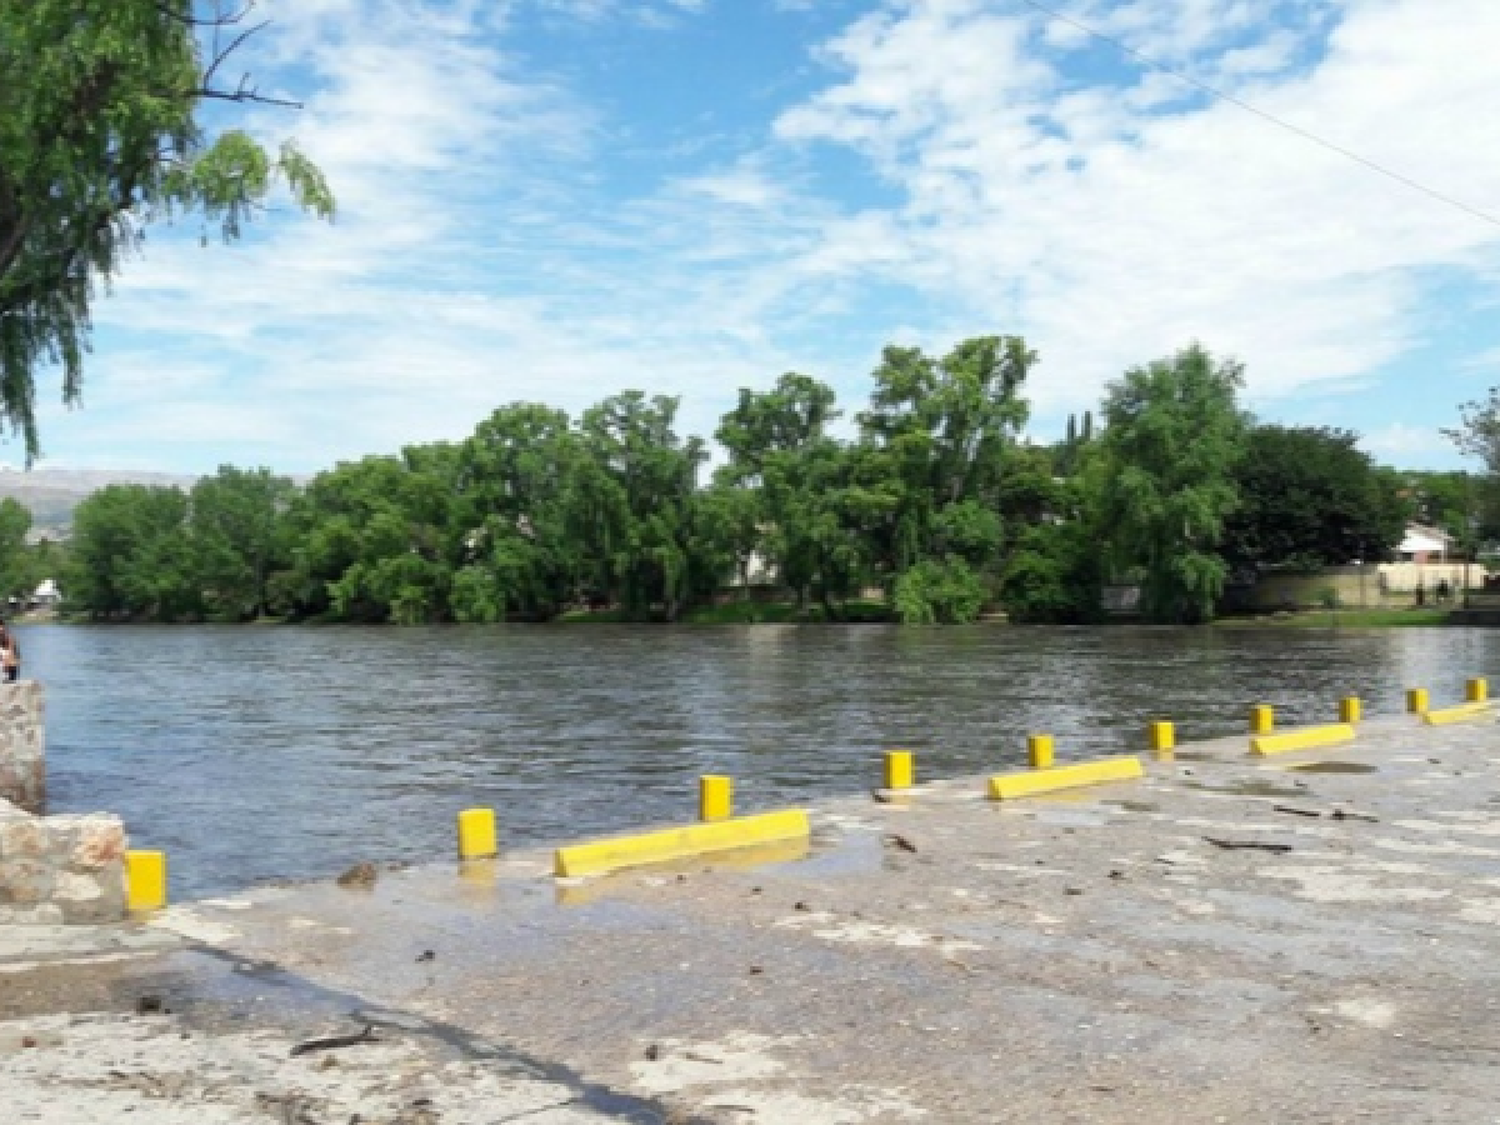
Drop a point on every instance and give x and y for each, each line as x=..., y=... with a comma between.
x=1334, y=767
x=1136, y=806
x=855, y=854
x=1249, y=787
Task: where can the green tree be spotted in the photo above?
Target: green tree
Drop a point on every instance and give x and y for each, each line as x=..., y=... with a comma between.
x=38, y=562
x=800, y=480
x=239, y=535
x=633, y=518
x=1056, y=570
x=1478, y=432
x=131, y=555
x=1466, y=505
x=377, y=539
x=101, y=134
x=939, y=592
x=944, y=433
x=15, y=561
x=1308, y=497
x=1172, y=440
x=519, y=474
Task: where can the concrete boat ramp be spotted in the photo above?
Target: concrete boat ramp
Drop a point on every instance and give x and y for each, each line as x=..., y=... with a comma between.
x=1311, y=938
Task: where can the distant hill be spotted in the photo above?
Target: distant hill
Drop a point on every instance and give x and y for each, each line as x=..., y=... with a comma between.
x=52, y=494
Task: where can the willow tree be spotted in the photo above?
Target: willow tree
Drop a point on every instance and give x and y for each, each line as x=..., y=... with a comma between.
x=946, y=431
x=1174, y=433
x=100, y=136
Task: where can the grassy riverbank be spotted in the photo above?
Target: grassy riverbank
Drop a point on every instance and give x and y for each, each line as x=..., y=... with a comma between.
x=752, y=613
x=1342, y=619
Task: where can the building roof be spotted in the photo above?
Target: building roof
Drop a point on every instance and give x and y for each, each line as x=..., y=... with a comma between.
x=1420, y=539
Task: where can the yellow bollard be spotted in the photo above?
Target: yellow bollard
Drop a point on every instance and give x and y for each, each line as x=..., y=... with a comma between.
x=715, y=797
x=146, y=880
x=1262, y=719
x=900, y=769
x=1163, y=739
x=1349, y=709
x=476, y=834
x=1416, y=701
x=1039, y=749
x=1477, y=690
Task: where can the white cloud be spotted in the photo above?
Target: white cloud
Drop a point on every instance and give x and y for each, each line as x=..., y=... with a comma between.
x=478, y=260
x=1123, y=231
x=1401, y=444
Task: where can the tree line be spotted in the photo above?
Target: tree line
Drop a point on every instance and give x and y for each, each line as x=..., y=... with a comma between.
x=935, y=501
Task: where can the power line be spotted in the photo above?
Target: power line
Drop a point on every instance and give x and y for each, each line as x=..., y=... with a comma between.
x=1297, y=130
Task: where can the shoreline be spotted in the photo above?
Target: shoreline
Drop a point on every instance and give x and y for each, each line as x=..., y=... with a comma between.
x=1405, y=618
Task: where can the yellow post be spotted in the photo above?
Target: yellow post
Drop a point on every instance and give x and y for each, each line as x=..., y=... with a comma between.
x=1416, y=700
x=146, y=880
x=1163, y=738
x=476, y=834
x=715, y=797
x=1039, y=749
x=1478, y=690
x=900, y=769
x=1349, y=709
x=1262, y=719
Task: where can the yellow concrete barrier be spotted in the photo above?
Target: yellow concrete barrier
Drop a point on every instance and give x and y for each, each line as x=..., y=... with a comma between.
x=146, y=880
x=1163, y=738
x=1477, y=690
x=715, y=797
x=1009, y=786
x=476, y=834
x=738, y=859
x=1262, y=719
x=1306, y=738
x=900, y=769
x=1350, y=709
x=681, y=843
x=1039, y=751
x=1463, y=713
x=1416, y=701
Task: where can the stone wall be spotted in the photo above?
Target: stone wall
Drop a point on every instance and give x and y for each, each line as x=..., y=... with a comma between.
x=53, y=869
x=61, y=869
x=23, y=752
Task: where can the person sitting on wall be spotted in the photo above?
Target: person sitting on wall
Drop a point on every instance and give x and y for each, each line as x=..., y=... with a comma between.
x=10, y=654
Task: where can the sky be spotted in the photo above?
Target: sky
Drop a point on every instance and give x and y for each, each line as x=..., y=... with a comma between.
x=556, y=200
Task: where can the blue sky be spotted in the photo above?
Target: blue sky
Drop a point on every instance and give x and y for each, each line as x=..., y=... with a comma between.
x=554, y=200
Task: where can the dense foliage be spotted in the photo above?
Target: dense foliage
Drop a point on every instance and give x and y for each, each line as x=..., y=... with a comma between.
x=935, y=506
x=99, y=137
x=1173, y=437
x=1311, y=498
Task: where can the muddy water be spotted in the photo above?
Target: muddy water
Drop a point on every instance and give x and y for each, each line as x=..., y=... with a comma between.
x=253, y=754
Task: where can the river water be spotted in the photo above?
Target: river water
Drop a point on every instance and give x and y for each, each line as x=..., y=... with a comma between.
x=260, y=753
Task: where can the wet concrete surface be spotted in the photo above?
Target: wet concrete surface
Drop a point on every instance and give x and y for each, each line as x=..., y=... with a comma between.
x=1113, y=954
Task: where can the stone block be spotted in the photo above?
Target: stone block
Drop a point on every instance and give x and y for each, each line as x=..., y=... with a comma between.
x=23, y=769
x=100, y=841
x=53, y=870
x=26, y=838
x=45, y=914
x=26, y=882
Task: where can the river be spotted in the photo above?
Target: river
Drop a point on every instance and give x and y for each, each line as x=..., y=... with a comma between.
x=259, y=753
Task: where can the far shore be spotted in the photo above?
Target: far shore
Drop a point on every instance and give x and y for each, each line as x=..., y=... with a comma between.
x=871, y=612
